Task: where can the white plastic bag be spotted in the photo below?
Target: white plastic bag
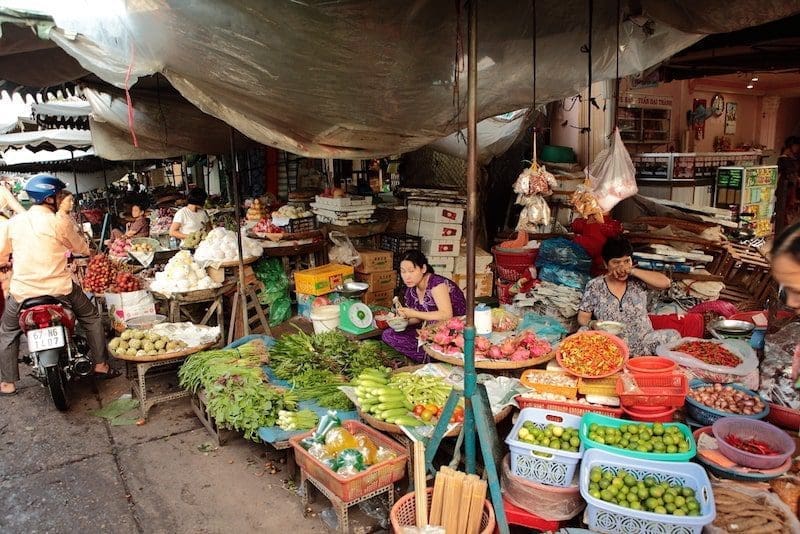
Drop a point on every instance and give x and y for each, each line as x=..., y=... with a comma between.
x=740, y=348
x=611, y=175
x=343, y=252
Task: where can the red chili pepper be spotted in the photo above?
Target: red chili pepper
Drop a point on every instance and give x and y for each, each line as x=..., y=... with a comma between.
x=709, y=352
x=752, y=446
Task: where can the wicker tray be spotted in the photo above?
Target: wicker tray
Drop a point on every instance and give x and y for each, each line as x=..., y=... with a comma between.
x=200, y=295
x=168, y=356
x=235, y=263
x=383, y=426
x=360, y=230
x=285, y=236
x=498, y=365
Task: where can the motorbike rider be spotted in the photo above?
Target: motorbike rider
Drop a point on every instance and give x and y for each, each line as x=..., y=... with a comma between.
x=40, y=243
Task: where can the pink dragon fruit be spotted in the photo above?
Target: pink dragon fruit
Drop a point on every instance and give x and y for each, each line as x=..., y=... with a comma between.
x=508, y=347
x=441, y=338
x=458, y=341
x=520, y=355
x=482, y=344
x=455, y=323
x=494, y=352
x=539, y=348
x=450, y=349
x=424, y=334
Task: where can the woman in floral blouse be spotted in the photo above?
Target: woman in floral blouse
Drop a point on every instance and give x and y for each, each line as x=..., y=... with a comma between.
x=621, y=295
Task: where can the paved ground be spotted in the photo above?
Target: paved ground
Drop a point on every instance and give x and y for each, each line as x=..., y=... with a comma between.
x=73, y=472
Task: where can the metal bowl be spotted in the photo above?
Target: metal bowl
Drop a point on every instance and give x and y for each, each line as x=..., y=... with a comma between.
x=612, y=327
x=353, y=289
x=730, y=326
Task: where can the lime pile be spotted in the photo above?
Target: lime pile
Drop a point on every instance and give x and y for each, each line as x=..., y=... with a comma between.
x=641, y=437
x=646, y=495
x=552, y=436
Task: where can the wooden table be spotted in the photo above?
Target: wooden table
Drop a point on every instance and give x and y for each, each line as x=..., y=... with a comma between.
x=179, y=303
x=298, y=256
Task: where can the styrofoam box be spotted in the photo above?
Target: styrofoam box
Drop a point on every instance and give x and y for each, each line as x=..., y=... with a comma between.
x=447, y=274
x=412, y=226
x=441, y=247
x=343, y=202
x=426, y=229
x=482, y=261
x=442, y=263
x=444, y=213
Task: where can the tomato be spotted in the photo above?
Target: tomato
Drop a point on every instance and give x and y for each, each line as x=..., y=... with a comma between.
x=426, y=415
x=439, y=412
x=431, y=407
x=418, y=409
x=459, y=417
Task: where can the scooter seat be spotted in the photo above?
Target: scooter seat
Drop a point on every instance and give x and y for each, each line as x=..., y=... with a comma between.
x=39, y=301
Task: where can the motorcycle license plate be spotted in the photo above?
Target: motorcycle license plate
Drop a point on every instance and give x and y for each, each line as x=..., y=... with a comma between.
x=46, y=339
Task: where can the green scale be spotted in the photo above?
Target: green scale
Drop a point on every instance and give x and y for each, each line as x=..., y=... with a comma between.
x=355, y=317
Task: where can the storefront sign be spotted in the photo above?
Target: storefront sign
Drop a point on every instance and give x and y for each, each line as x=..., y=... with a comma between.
x=645, y=101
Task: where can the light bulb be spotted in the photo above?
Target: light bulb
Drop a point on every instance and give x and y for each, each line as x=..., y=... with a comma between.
x=749, y=85
x=754, y=79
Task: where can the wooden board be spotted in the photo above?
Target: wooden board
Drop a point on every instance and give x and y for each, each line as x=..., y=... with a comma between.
x=167, y=356
x=498, y=365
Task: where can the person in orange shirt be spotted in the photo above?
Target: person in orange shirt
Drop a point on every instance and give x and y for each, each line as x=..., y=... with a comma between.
x=40, y=242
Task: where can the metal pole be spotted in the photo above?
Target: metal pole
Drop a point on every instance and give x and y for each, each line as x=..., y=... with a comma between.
x=470, y=377
x=75, y=177
x=236, y=204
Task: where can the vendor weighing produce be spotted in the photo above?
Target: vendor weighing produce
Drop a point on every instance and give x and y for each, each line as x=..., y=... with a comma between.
x=621, y=296
x=192, y=218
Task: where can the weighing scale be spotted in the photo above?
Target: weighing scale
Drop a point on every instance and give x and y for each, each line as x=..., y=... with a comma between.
x=355, y=317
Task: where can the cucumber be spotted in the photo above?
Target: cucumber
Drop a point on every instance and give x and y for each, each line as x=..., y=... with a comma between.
x=368, y=384
x=374, y=373
x=373, y=378
x=388, y=415
x=393, y=397
x=407, y=420
x=390, y=406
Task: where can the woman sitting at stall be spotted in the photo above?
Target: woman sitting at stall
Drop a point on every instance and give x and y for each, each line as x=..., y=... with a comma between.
x=621, y=295
x=137, y=226
x=191, y=218
x=428, y=297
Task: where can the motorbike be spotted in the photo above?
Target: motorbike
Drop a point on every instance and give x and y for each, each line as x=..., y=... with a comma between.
x=57, y=352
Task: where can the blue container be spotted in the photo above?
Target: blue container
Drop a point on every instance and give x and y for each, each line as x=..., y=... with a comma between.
x=707, y=416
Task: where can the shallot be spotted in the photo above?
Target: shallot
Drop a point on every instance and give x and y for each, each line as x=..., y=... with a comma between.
x=727, y=399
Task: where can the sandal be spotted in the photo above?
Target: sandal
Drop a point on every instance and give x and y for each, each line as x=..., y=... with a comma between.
x=8, y=393
x=108, y=375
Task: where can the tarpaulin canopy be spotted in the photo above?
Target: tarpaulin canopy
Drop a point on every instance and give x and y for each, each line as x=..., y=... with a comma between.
x=47, y=140
x=359, y=78
x=62, y=108
x=24, y=156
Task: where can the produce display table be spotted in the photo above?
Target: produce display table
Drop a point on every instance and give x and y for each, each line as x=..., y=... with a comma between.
x=142, y=364
x=179, y=305
x=490, y=365
x=297, y=256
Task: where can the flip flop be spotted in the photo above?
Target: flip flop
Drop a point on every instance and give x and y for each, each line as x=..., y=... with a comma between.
x=108, y=375
x=8, y=393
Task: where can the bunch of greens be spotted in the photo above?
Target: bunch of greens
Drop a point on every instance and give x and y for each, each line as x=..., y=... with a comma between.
x=323, y=387
x=237, y=394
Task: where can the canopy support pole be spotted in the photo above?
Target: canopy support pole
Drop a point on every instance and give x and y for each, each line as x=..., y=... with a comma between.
x=242, y=292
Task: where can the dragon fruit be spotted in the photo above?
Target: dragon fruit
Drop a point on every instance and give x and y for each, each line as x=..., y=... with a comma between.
x=455, y=323
x=508, y=347
x=482, y=344
x=494, y=353
x=458, y=341
x=440, y=338
x=520, y=355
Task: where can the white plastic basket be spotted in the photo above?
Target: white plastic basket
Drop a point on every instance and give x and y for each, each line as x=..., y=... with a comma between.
x=611, y=518
x=543, y=464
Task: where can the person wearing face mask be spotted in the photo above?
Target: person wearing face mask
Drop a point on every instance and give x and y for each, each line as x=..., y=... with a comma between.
x=428, y=297
x=621, y=295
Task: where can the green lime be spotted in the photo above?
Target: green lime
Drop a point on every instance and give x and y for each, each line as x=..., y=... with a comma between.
x=604, y=483
x=651, y=503
x=657, y=492
x=649, y=481
x=636, y=505
x=672, y=449
x=660, y=510
x=669, y=498
x=642, y=493
x=679, y=511
x=596, y=475
x=680, y=501
x=606, y=495
x=596, y=494
x=575, y=441
x=629, y=480
x=608, y=475
x=670, y=506
x=632, y=497
x=687, y=492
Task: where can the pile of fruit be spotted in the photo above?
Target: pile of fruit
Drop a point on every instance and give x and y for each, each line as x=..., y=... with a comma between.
x=291, y=212
x=119, y=247
x=137, y=343
x=648, y=494
x=265, y=226
x=590, y=354
x=194, y=239
x=142, y=247
x=124, y=282
x=384, y=402
x=447, y=337
x=709, y=352
x=100, y=273
x=727, y=399
x=256, y=211
x=641, y=437
x=551, y=436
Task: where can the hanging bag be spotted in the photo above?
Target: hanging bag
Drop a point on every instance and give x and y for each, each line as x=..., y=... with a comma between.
x=611, y=175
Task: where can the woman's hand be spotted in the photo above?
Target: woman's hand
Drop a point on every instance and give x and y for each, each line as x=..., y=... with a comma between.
x=408, y=313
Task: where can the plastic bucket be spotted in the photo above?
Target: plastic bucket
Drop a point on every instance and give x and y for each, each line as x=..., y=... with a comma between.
x=325, y=318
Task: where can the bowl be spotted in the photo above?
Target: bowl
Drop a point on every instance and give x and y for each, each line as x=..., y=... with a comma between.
x=783, y=416
x=352, y=289
x=382, y=319
x=145, y=322
x=708, y=415
x=744, y=428
x=651, y=365
x=398, y=324
x=612, y=327
x=729, y=326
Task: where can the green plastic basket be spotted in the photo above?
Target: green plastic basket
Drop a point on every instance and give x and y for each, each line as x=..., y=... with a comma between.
x=602, y=420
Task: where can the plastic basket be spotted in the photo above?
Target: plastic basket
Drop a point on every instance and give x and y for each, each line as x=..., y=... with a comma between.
x=528, y=379
x=302, y=224
x=399, y=244
x=748, y=429
x=572, y=408
x=706, y=415
x=642, y=415
x=353, y=488
x=515, y=258
x=598, y=386
x=667, y=390
x=783, y=416
x=621, y=345
x=404, y=513
x=611, y=518
x=602, y=420
x=650, y=364
x=543, y=464
x=510, y=274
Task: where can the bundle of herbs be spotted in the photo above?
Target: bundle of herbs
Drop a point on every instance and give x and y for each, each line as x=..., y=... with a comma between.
x=237, y=394
x=323, y=387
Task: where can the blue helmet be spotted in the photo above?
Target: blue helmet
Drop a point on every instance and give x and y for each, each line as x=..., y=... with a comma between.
x=43, y=186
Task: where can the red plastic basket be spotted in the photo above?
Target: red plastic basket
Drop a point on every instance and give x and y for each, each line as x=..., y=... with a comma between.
x=654, y=390
x=573, y=408
x=783, y=417
x=404, y=513
x=354, y=487
x=663, y=415
x=650, y=364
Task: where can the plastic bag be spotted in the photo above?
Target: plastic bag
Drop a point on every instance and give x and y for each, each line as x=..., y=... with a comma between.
x=612, y=176
x=343, y=252
x=544, y=327
x=327, y=422
x=275, y=294
x=562, y=252
x=548, y=502
x=740, y=348
x=772, y=505
x=563, y=276
x=349, y=462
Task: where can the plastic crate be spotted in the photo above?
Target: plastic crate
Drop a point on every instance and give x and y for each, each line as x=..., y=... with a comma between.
x=611, y=518
x=354, y=487
x=705, y=415
x=590, y=418
x=572, y=408
x=654, y=390
x=598, y=386
x=399, y=244
x=528, y=380
x=542, y=464
x=302, y=224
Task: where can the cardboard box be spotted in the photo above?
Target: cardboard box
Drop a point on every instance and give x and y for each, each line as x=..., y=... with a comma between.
x=483, y=283
x=482, y=261
x=444, y=213
x=442, y=263
x=374, y=260
x=322, y=280
x=305, y=302
x=379, y=298
x=381, y=281
x=441, y=247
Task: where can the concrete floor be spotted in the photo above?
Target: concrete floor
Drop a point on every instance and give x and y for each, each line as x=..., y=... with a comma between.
x=73, y=472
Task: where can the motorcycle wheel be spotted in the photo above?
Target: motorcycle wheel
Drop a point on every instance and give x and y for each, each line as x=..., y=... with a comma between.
x=56, y=383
